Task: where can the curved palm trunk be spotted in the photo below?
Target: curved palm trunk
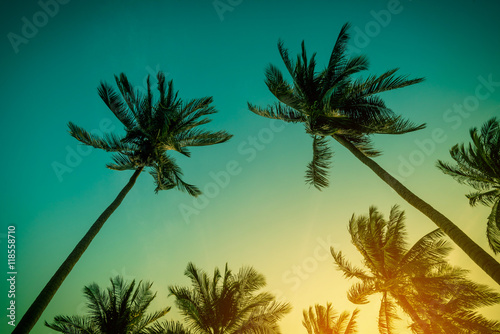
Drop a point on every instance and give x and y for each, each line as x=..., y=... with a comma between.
x=484, y=260
x=36, y=309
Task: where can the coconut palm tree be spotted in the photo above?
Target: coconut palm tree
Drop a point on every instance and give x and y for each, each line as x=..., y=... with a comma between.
x=478, y=165
x=228, y=303
x=152, y=129
x=436, y=296
x=120, y=309
x=324, y=320
x=331, y=103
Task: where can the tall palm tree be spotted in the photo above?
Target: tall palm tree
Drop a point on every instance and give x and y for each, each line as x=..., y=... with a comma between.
x=152, y=129
x=331, y=103
x=228, y=303
x=436, y=296
x=478, y=165
x=120, y=309
x=324, y=320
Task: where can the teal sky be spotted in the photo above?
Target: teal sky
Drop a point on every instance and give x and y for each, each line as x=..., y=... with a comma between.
x=263, y=214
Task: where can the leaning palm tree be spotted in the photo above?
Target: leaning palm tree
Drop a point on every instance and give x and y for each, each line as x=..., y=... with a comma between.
x=120, y=309
x=228, y=303
x=478, y=165
x=152, y=129
x=324, y=320
x=436, y=296
x=331, y=103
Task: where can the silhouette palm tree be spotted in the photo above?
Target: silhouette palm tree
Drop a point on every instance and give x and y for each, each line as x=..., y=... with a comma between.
x=331, y=103
x=228, y=303
x=324, y=320
x=436, y=296
x=153, y=128
x=120, y=309
x=478, y=165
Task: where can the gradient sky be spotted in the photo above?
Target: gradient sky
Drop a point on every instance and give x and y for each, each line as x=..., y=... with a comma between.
x=263, y=215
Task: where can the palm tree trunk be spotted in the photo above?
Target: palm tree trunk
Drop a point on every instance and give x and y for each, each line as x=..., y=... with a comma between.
x=36, y=309
x=484, y=260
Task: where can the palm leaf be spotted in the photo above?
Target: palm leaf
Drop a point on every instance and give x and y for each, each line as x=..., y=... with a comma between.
x=278, y=111
x=168, y=327
x=110, y=143
x=122, y=162
x=493, y=227
x=116, y=105
x=358, y=293
x=351, y=326
x=345, y=266
x=317, y=170
x=387, y=316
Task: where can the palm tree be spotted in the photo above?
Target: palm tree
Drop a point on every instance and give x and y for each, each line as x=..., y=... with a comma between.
x=152, y=129
x=478, y=165
x=120, y=309
x=437, y=297
x=324, y=320
x=228, y=303
x=331, y=103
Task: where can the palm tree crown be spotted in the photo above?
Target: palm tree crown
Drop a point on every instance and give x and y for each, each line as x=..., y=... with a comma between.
x=478, y=165
x=152, y=129
x=324, y=320
x=437, y=297
x=228, y=303
x=332, y=103
x=120, y=309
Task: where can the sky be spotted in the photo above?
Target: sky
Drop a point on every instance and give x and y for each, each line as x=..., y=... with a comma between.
x=257, y=210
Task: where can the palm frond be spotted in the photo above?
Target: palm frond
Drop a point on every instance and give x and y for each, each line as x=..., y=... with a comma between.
x=128, y=93
x=493, y=227
x=167, y=175
x=465, y=172
x=387, y=316
x=431, y=249
x=337, y=61
x=72, y=324
x=358, y=293
x=352, y=326
x=263, y=319
x=317, y=169
x=477, y=164
x=122, y=162
x=347, y=269
x=289, y=64
x=364, y=87
x=168, y=327
x=116, y=105
x=202, y=138
x=280, y=88
x=278, y=111
x=110, y=142
x=486, y=197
